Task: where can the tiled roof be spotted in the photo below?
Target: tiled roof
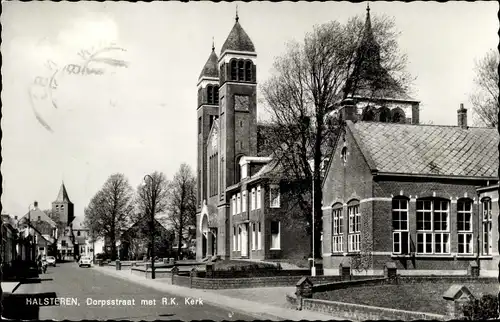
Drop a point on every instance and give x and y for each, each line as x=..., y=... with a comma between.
x=238, y=40
x=211, y=68
x=428, y=150
x=33, y=215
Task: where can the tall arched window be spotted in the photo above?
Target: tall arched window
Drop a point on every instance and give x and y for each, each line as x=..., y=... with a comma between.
x=400, y=230
x=433, y=226
x=487, y=227
x=216, y=95
x=337, y=228
x=368, y=115
x=464, y=226
x=234, y=70
x=354, y=237
x=384, y=114
x=210, y=94
x=241, y=70
x=248, y=71
x=398, y=116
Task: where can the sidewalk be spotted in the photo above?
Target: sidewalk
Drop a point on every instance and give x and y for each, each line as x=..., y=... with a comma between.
x=253, y=301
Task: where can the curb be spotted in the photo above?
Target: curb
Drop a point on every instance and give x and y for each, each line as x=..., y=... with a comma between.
x=260, y=316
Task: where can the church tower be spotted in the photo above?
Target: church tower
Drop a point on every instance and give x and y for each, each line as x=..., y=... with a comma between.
x=62, y=207
x=208, y=112
x=238, y=105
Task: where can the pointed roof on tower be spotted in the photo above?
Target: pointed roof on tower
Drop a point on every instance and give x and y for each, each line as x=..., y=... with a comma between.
x=63, y=194
x=369, y=78
x=238, y=39
x=211, y=68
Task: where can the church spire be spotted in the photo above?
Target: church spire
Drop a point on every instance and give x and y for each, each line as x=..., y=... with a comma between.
x=63, y=194
x=237, y=18
x=213, y=44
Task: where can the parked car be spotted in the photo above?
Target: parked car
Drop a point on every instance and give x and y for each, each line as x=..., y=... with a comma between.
x=85, y=261
x=51, y=260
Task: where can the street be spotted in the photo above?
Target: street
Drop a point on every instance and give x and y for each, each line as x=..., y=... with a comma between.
x=67, y=292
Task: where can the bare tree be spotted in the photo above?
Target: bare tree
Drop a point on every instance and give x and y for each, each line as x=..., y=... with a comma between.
x=152, y=198
x=485, y=103
x=182, y=204
x=306, y=85
x=110, y=210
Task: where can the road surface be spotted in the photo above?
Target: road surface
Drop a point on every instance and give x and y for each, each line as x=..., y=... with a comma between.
x=67, y=292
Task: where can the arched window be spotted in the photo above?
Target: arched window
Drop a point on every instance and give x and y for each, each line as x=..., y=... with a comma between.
x=234, y=70
x=487, y=227
x=433, y=226
x=337, y=228
x=398, y=116
x=368, y=115
x=400, y=230
x=241, y=70
x=210, y=94
x=384, y=114
x=464, y=226
x=248, y=71
x=354, y=237
x=216, y=95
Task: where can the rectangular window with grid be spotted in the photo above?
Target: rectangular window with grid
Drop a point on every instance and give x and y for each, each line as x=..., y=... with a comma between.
x=234, y=239
x=254, y=237
x=354, y=237
x=274, y=196
x=464, y=227
x=400, y=233
x=252, y=199
x=337, y=231
x=244, y=201
x=259, y=198
x=239, y=238
x=259, y=238
x=275, y=235
x=487, y=226
x=433, y=234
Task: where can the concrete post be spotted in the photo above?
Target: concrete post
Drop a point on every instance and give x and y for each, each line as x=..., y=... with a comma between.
x=456, y=296
x=303, y=290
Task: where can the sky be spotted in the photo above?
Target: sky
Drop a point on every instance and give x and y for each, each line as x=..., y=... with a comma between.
x=140, y=116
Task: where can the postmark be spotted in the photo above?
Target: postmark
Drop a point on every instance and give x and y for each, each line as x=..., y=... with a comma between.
x=42, y=91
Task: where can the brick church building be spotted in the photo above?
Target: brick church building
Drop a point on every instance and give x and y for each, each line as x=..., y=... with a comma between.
x=241, y=204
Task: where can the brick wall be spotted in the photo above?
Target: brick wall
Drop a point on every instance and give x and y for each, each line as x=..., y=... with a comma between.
x=337, y=285
x=231, y=283
x=363, y=312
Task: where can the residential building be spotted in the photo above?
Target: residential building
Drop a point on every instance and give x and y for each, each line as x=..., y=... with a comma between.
x=9, y=236
x=134, y=242
x=408, y=194
x=241, y=205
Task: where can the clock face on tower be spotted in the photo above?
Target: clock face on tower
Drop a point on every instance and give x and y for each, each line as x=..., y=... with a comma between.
x=241, y=102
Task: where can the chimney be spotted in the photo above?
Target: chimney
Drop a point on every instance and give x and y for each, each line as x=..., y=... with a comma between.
x=462, y=117
x=348, y=110
x=35, y=204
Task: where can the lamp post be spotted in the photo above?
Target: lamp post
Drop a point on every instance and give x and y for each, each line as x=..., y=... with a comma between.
x=313, y=268
x=153, y=199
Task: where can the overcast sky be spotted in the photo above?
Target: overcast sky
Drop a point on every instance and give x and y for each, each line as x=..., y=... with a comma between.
x=142, y=118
